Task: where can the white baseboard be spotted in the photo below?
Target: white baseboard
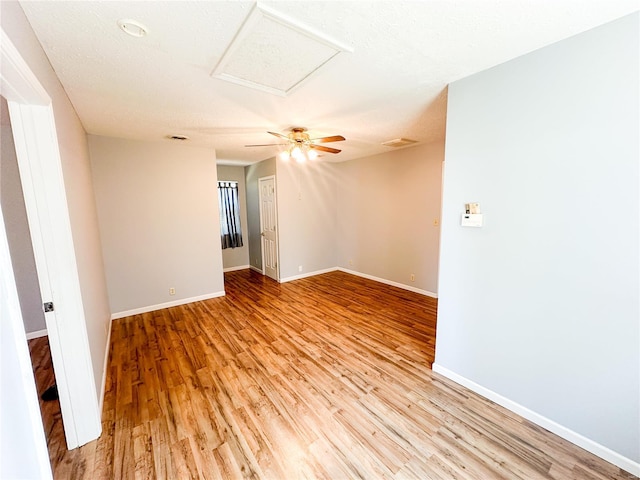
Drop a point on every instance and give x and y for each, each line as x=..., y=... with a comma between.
x=389, y=282
x=308, y=274
x=233, y=269
x=160, y=306
x=37, y=334
x=363, y=275
x=560, y=430
x=256, y=269
x=104, y=367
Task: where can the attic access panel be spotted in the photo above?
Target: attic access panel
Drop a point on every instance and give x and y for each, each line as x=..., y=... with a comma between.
x=274, y=53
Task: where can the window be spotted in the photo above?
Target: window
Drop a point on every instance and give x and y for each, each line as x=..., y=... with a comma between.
x=230, y=231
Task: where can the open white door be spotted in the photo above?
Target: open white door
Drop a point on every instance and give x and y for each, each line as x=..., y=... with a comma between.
x=23, y=447
x=269, y=226
x=38, y=155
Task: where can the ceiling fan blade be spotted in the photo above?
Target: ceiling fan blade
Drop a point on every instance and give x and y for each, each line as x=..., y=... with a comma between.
x=334, y=138
x=279, y=135
x=266, y=145
x=322, y=148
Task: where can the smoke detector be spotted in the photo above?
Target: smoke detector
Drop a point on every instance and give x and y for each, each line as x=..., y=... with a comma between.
x=132, y=27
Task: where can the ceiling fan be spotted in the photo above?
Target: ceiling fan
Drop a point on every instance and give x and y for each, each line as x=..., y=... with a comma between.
x=300, y=146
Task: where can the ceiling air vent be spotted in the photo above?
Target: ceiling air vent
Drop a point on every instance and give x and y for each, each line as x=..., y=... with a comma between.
x=399, y=142
x=178, y=137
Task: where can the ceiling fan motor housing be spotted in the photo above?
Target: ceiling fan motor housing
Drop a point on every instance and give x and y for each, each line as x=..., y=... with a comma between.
x=298, y=135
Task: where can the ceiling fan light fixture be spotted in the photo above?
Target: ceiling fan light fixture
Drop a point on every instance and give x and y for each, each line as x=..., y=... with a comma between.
x=285, y=155
x=298, y=154
x=300, y=146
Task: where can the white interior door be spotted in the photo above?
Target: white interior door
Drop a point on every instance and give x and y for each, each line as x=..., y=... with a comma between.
x=269, y=226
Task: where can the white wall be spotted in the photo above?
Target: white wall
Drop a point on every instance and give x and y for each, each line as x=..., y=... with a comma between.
x=18, y=234
x=306, y=217
x=541, y=305
x=252, y=174
x=386, y=207
x=236, y=257
x=159, y=222
x=77, y=178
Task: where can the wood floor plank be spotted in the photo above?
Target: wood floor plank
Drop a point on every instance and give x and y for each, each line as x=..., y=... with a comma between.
x=327, y=377
x=161, y=451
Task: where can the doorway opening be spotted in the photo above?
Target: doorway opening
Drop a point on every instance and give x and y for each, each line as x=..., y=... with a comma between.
x=40, y=170
x=269, y=226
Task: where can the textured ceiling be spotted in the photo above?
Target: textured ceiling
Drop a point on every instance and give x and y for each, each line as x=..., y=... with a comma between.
x=391, y=85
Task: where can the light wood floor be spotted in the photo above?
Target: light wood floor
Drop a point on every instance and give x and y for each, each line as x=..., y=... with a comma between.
x=322, y=378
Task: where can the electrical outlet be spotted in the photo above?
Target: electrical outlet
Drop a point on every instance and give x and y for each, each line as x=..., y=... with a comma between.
x=413, y=277
x=299, y=268
x=350, y=262
x=436, y=222
x=172, y=291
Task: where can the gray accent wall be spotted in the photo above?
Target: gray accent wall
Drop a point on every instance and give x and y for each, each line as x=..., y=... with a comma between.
x=374, y=216
x=387, y=207
x=159, y=221
x=542, y=305
x=306, y=217
x=236, y=257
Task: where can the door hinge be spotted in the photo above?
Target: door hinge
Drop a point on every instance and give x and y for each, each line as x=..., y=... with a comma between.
x=48, y=307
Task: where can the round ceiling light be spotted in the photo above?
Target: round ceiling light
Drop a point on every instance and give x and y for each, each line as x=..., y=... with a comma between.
x=133, y=28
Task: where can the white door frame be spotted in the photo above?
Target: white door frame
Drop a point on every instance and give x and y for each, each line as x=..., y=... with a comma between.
x=275, y=200
x=38, y=154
